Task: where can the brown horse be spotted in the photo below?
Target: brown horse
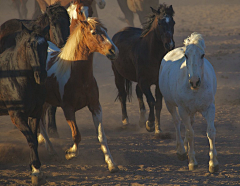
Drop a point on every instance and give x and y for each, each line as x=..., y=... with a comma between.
x=79, y=10
x=66, y=3
x=140, y=55
x=140, y=7
x=71, y=84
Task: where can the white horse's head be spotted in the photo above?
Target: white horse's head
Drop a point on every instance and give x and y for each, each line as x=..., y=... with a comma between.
x=101, y=3
x=194, y=55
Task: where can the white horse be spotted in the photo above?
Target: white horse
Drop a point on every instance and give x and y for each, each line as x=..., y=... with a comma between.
x=187, y=80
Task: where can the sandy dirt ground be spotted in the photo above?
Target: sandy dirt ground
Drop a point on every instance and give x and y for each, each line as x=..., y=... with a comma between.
x=143, y=160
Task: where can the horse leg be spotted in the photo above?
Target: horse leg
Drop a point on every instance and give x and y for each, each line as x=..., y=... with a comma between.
x=122, y=95
x=142, y=17
x=43, y=136
x=158, y=108
x=181, y=153
x=150, y=126
x=20, y=120
x=142, y=109
x=209, y=115
x=190, y=138
x=76, y=136
x=23, y=8
x=52, y=127
x=96, y=111
x=186, y=146
x=126, y=11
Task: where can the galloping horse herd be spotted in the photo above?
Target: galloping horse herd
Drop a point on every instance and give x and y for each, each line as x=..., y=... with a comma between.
x=49, y=62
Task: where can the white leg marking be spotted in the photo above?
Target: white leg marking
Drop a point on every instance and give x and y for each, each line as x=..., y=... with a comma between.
x=190, y=137
x=211, y=133
x=97, y=119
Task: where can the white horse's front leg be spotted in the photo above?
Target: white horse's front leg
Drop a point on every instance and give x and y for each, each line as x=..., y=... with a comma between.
x=181, y=153
x=189, y=137
x=97, y=119
x=192, y=118
x=209, y=115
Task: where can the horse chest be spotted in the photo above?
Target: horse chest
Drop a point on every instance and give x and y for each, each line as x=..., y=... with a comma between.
x=195, y=101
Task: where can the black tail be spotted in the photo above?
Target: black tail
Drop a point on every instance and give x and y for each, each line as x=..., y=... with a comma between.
x=128, y=88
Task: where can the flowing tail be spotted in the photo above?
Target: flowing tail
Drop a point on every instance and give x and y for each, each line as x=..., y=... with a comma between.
x=128, y=88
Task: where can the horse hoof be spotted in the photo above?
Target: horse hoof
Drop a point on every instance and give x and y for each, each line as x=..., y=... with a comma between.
x=150, y=126
x=125, y=122
x=69, y=155
x=192, y=167
x=38, y=179
x=213, y=169
x=113, y=169
x=182, y=157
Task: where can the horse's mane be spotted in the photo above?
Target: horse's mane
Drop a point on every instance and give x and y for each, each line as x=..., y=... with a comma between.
x=163, y=9
x=196, y=39
x=54, y=11
x=75, y=43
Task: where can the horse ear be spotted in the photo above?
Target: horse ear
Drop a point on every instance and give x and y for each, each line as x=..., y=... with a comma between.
x=171, y=8
x=153, y=10
x=45, y=31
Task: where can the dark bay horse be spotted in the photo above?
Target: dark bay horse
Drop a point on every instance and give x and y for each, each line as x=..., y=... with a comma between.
x=140, y=7
x=71, y=84
x=140, y=55
x=22, y=91
x=56, y=17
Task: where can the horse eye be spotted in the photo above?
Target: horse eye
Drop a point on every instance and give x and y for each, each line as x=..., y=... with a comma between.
x=93, y=32
x=186, y=56
x=202, y=56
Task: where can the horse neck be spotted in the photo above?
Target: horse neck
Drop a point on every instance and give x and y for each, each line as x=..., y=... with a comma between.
x=155, y=45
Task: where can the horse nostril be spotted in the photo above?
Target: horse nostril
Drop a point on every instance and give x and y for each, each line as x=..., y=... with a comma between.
x=111, y=51
x=198, y=82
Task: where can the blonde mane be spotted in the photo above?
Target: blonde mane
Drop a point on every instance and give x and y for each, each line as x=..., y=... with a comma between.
x=74, y=44
x=195, y=39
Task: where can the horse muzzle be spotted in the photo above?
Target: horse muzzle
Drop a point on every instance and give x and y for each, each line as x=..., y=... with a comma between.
x=169, y=46
x=195, y=83
x=112, y=54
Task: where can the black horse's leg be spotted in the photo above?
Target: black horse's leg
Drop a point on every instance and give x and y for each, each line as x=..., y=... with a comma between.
x=52, y=127
x=145, y=87
x=158, y=108
x=142, y=109
x=126, y=11
x=122, y=95
x=30, y=132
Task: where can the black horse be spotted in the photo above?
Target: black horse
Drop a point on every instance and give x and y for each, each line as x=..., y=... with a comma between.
x=56, y=17
x=140, y=55
x=22, y=90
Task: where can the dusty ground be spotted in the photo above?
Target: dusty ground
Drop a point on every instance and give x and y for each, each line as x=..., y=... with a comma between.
x=142, y=159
